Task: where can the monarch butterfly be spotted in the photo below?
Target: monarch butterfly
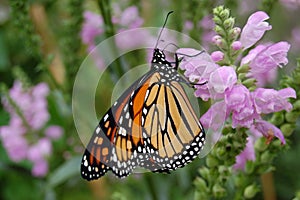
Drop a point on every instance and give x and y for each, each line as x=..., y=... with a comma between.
x=151, y=125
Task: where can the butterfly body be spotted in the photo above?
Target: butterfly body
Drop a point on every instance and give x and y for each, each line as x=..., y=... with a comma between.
x=152, y=125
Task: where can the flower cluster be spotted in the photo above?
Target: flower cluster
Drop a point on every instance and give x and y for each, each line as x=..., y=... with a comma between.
x=238, y=90
x=27, y=136
x=93, y=30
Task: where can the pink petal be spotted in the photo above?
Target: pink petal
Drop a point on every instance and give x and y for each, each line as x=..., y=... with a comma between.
x=254, y=29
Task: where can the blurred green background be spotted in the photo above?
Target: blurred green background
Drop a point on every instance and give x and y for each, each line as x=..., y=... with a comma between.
x=40, y=41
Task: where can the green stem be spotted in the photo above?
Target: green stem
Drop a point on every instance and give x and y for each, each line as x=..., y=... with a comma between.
x=105, y=9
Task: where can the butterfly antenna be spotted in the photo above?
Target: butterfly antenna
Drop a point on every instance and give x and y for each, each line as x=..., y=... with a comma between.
x=163, y=28
x=182, y=54
x=170, y=44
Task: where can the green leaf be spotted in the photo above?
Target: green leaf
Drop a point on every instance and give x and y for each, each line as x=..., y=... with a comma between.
x=69, y=169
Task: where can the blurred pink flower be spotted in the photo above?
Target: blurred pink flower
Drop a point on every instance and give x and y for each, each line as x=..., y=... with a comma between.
x=188, y=25
x=40, y=168
x=54, y=132
x=254, y=29
x=291, y=4
x=91, y=28
x=21, y=137
x=14, y=143
x=247, y=154
x=130, y=18
x=40, y=150
x=207, y=26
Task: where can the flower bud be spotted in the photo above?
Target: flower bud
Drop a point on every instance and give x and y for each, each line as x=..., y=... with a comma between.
x=297, y=105
x=236, y=45
x=217, y=56
x=250, y=191
x=291, y=117
x=219, y=30
x=287, y=129
x=260, y=144
x=228, y=23
x=211, y=161
x=236, y=31
x=243, y=69
x=218, y=191
x=266, y=157
x=224, y=14
x=277, y=118
x=217, y=20
x=200, y=184
x=204, y=172
x=249, y=82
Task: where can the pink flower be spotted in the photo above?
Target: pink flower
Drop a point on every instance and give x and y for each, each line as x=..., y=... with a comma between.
x=264, y=60
x=32, y=103
x=240, y=104
x=15, y=145
x=54, y=132
x=130, y=18
x=291, y=4
x=196, y=67
x=40, y=168
x=247, y=154
x=270, y=57
x=221, y=80
x=188, y=25
x=237, y=98
x=254, y=29
x=269, y=100
x=91, y=28
x=217, y=56
x=215, y=117
x=266, y=129
x=40, y=150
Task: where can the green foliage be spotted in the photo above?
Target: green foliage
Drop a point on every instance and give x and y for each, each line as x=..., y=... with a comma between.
x=22, y=58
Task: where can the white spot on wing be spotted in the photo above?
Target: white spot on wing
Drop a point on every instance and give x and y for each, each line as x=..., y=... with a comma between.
x=105, y=117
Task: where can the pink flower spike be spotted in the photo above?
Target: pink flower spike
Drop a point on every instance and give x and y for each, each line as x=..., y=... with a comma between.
x=247, y=154
x=54, y=132
x=254, y=29
x=269, y=100
x=267, y=130
x=217, y=56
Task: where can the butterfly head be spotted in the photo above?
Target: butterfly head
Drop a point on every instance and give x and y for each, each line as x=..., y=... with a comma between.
x=158, y=57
